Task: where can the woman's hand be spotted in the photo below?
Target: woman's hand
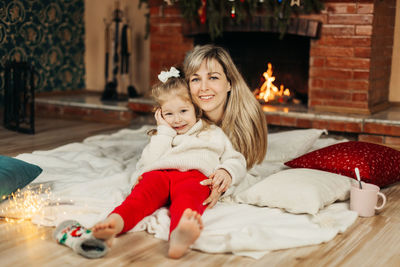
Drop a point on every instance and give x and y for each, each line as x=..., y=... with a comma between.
x=212, y=198
x=219, y=181
x=159, y=118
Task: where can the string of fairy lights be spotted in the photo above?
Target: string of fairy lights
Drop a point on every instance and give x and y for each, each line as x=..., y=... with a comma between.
x=23, y=204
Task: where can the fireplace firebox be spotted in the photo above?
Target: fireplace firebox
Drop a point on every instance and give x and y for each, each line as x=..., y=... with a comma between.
x=252, y=51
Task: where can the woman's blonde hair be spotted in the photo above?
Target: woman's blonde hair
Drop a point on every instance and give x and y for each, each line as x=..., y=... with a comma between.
x=243, y=121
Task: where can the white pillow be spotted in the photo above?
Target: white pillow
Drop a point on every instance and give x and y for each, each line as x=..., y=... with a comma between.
x=297, y=190
x=285, y=146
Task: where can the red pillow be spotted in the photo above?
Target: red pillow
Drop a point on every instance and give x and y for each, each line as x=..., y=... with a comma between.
x=379, y=165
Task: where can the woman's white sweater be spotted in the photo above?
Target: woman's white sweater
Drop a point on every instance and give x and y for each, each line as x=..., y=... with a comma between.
x=205, y=150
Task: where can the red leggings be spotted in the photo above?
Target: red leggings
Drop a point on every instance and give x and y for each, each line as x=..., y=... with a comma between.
x=156, y=189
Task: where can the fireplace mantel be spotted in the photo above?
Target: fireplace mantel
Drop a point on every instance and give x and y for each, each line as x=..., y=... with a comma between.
x=297, y=26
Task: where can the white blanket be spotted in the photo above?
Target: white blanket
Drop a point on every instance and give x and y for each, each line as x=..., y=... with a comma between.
x=87, y=180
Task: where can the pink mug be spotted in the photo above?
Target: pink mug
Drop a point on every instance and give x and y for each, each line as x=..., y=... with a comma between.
x=365, y=200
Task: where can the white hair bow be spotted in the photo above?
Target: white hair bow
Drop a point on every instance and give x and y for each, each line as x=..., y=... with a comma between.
x=165, y=75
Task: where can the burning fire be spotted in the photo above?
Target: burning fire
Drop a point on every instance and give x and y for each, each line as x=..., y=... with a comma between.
x=269, y=92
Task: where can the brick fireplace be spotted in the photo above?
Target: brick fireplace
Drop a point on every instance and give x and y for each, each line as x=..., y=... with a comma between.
x=349, y=60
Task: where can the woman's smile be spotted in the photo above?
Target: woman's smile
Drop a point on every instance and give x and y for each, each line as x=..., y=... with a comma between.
x=206, y=97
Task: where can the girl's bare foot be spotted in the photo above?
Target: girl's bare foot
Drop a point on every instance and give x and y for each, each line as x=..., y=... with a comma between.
x=105, y=230
x=185, y=234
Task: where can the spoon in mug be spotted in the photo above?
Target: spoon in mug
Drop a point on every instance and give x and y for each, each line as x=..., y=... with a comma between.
x=358, y=176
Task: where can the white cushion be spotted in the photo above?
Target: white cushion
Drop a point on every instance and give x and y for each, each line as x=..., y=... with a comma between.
x=297, y=190
x=285, y=146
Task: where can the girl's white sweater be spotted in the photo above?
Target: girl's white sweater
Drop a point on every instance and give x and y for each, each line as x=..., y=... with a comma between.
x=205, y=150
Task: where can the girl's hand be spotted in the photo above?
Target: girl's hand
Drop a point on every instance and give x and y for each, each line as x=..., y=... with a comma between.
x=159, y=118
x=137, y=181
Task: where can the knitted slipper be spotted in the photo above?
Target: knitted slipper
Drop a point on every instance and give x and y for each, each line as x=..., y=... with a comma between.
x=70, y=233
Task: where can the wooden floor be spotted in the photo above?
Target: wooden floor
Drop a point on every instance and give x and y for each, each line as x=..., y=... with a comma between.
x=369, y=242
x=50, y=133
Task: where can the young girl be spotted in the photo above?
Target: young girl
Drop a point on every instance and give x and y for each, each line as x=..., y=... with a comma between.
x=184, y=151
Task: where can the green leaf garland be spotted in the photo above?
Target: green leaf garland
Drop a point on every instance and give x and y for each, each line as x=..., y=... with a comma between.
x=276, y=13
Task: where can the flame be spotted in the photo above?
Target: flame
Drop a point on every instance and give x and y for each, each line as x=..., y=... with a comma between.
x=268, y=91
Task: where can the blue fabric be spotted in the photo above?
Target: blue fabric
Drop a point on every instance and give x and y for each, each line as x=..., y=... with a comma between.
x=14, y=174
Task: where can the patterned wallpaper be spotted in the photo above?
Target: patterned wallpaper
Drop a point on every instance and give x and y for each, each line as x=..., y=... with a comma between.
x=50, y=35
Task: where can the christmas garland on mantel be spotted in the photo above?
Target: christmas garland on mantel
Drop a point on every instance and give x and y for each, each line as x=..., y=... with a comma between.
x=212, y=13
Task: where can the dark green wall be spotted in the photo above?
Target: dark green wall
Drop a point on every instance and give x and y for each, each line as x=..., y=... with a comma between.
x=50, y=35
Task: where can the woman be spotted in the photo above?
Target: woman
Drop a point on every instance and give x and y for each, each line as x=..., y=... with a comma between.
x=219, y=89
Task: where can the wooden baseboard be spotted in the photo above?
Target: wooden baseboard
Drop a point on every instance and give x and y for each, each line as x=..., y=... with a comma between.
x=395, y=104
x=380, y=107
x=62, y=93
